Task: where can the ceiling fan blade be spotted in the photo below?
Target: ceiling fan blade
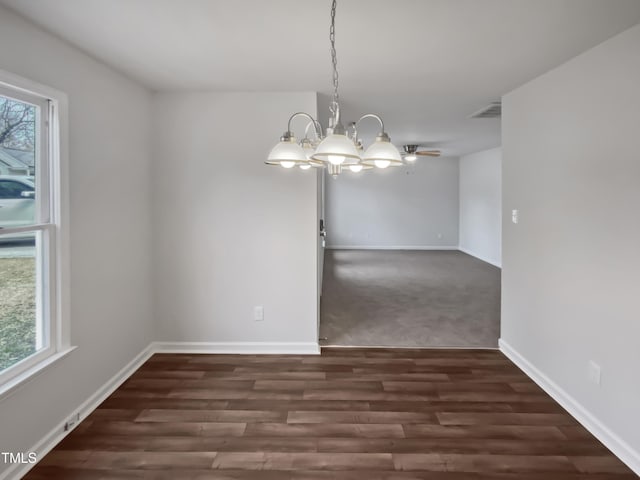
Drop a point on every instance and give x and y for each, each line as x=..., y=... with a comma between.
x=429, y=153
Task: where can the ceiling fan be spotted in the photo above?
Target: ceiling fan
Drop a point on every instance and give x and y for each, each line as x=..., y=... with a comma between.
x=410, y=153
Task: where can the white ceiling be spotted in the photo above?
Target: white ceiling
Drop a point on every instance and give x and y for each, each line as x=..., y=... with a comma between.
x=424, y=65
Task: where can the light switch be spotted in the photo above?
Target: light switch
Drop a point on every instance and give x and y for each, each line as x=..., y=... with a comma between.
x=258, y=313
x=594, y=372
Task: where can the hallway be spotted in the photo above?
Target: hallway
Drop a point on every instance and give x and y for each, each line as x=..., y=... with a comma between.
x=409, y=299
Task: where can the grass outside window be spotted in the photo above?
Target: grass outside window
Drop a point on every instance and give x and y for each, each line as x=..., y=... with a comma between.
x=17, y=308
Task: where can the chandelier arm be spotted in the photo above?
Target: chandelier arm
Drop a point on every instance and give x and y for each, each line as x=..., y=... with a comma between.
x=315, y=129
x=372, y=115
x=316, y=124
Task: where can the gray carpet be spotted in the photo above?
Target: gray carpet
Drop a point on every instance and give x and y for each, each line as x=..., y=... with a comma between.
x=409, y=299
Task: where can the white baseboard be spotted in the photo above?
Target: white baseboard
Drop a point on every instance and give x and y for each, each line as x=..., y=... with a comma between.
x=245, y=348
x=480, y=257
x=391, y=247
x=613, y=442
x=55, y=436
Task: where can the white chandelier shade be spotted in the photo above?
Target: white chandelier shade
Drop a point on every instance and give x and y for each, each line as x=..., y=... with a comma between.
x=287, y=153
x=337, y=149
x=382, y=154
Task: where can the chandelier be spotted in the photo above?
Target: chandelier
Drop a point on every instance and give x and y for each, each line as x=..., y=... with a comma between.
x=340, y=148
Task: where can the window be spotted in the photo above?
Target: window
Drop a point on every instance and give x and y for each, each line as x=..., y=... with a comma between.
x=32, y=329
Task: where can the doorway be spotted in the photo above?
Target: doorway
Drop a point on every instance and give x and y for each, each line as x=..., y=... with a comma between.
x=395, y=271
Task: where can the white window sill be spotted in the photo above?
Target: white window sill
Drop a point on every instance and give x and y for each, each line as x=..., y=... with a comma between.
x=9, y=387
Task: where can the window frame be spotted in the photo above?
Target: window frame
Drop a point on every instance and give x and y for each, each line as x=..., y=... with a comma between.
x=50, y=224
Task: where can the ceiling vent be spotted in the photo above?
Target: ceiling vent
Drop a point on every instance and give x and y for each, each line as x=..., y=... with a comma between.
x=493, y=110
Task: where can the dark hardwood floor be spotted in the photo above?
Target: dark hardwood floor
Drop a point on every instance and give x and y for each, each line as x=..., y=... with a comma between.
x=347, y=414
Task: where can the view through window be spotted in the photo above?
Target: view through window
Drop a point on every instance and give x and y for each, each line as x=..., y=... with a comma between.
x=25, y=231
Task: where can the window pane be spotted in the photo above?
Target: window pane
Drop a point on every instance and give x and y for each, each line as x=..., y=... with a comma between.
x=21, y=330
x=18, y=161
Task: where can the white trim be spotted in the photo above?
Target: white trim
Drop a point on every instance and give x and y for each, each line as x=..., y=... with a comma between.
x=391, y=247
x=55, y=274
x=59, y=138
x=25, y=228
x=346, y=347
x=55, y=436
x=14, y=383
x=244, y=348
x=480, y=257
x=613, y=442
x=27, y=86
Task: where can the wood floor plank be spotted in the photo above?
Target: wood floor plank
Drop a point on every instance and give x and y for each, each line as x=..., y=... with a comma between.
x=324, y=430
x=380, y=377
x=475, y=418
x=292, y=405
x=164, y=416
x=169, y=428
x=101, y=460
x=199, y=383
x=297, y=385
x=520, y=432
x=356, y=394
x=439, y=406
x=164, y=403
x=170, y=374
x=194, y=444
x=115, y=413
x=348, y=414
x=479, y=463
x=598, y=464
x=402, y=386
x=462, y=446
x=233, y=394
x=479, y=396
x=269, y=375
x=360, y=417
x=295, y=461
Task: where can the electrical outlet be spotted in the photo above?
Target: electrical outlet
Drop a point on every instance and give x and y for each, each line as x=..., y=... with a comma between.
x=72, y=422
x=258, y=313
x=595, y=372
x=515, y=216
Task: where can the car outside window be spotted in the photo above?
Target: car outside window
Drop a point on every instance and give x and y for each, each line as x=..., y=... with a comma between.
x=11, y=189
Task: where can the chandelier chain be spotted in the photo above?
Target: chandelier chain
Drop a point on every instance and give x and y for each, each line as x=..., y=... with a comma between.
x=338, y=149
x=334, y=58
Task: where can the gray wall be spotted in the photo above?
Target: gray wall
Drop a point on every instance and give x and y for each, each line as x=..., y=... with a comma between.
x=481, y=205
x=399, y=207
x=110, y=281
x=230, y=232
x=571, y=266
